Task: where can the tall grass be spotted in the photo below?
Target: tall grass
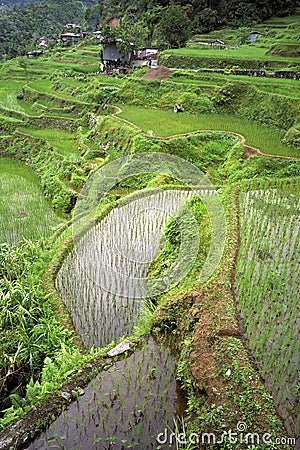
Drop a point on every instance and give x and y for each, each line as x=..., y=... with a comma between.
x=24, y=212
x=29, y=331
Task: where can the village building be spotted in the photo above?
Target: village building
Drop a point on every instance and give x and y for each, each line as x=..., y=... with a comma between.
x=253, y=36
x=113, y=56
x=72, y=26
x=98, y=36
x=34, y=54
x=217, y=44
x=43, y=42
x=145, y=53
x=70, y=38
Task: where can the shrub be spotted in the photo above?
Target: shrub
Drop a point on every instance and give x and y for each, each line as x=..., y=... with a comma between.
x=267, y=108
x=292, y=137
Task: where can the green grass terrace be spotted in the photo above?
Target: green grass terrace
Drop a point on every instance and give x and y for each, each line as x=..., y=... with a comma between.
x=63, y=141
x=24, y=211
x=243, y=52
x=162, y=123
x=280, y=86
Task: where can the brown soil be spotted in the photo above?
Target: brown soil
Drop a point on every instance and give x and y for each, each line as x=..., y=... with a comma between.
x=249, y=151
x=215, y=320
x=157, y=73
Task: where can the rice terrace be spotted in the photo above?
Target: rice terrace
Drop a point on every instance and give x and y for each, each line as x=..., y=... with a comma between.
x=149, y=232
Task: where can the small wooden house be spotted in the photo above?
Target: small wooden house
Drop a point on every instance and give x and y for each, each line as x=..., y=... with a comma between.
x=70, y=38
x=217, y=44
x=113, y=56
x=34, y=54
x=98, y=36
x=43, y=43
x=253, y=36
x=72, y=26
x=146, y=52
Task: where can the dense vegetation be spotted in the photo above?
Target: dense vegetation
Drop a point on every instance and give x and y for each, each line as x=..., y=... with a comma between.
x=72, y=121
x=204, y=15
x=159, y=23
x=21, y=27
x=26, y=314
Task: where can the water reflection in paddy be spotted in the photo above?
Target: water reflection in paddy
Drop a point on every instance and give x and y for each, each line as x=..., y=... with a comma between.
x=124, y=407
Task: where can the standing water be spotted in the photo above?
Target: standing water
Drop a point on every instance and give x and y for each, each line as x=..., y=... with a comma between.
x=267, y=281
x=103, y=283
x=103, y=280
x=128, y=406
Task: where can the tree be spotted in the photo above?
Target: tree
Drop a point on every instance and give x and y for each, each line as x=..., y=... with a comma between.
x=151, y=18
x=175, y=26
x=207, y=19
x=125, y=37
x=24, y=65
x=136, y=33
x=92, y=18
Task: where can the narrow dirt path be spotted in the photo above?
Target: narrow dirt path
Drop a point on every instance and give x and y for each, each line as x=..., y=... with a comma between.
x=248, y=149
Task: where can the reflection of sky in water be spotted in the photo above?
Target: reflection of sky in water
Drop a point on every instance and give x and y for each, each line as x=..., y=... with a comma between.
x=269, y=300
x=129, y=404
x=103, y=281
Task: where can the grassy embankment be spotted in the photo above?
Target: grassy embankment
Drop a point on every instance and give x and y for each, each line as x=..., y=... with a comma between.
x=244, y=52
x=24, y=211
x=166, y=123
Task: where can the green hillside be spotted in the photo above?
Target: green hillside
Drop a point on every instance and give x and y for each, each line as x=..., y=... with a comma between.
x=175, y=233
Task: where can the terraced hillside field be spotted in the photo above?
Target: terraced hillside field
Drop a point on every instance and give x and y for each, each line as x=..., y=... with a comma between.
x=95, y=262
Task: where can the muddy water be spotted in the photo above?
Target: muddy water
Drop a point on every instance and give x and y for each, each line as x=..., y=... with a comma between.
x=126, y=406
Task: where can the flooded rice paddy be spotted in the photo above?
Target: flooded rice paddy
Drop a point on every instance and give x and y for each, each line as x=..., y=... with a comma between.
x=125, y=407
x=267, y=282
x=103, y=281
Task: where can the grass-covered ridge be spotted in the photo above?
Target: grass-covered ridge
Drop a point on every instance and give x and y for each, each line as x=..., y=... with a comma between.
x=24, y=212
x=262, y=116
x=244, y=53
x=212, y=363
x=166, y=123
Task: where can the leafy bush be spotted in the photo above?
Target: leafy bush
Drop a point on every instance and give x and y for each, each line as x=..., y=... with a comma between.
x=247, y=101
x=284, y=50
x=29, y=331
x=78, y=180
x=292, y=137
